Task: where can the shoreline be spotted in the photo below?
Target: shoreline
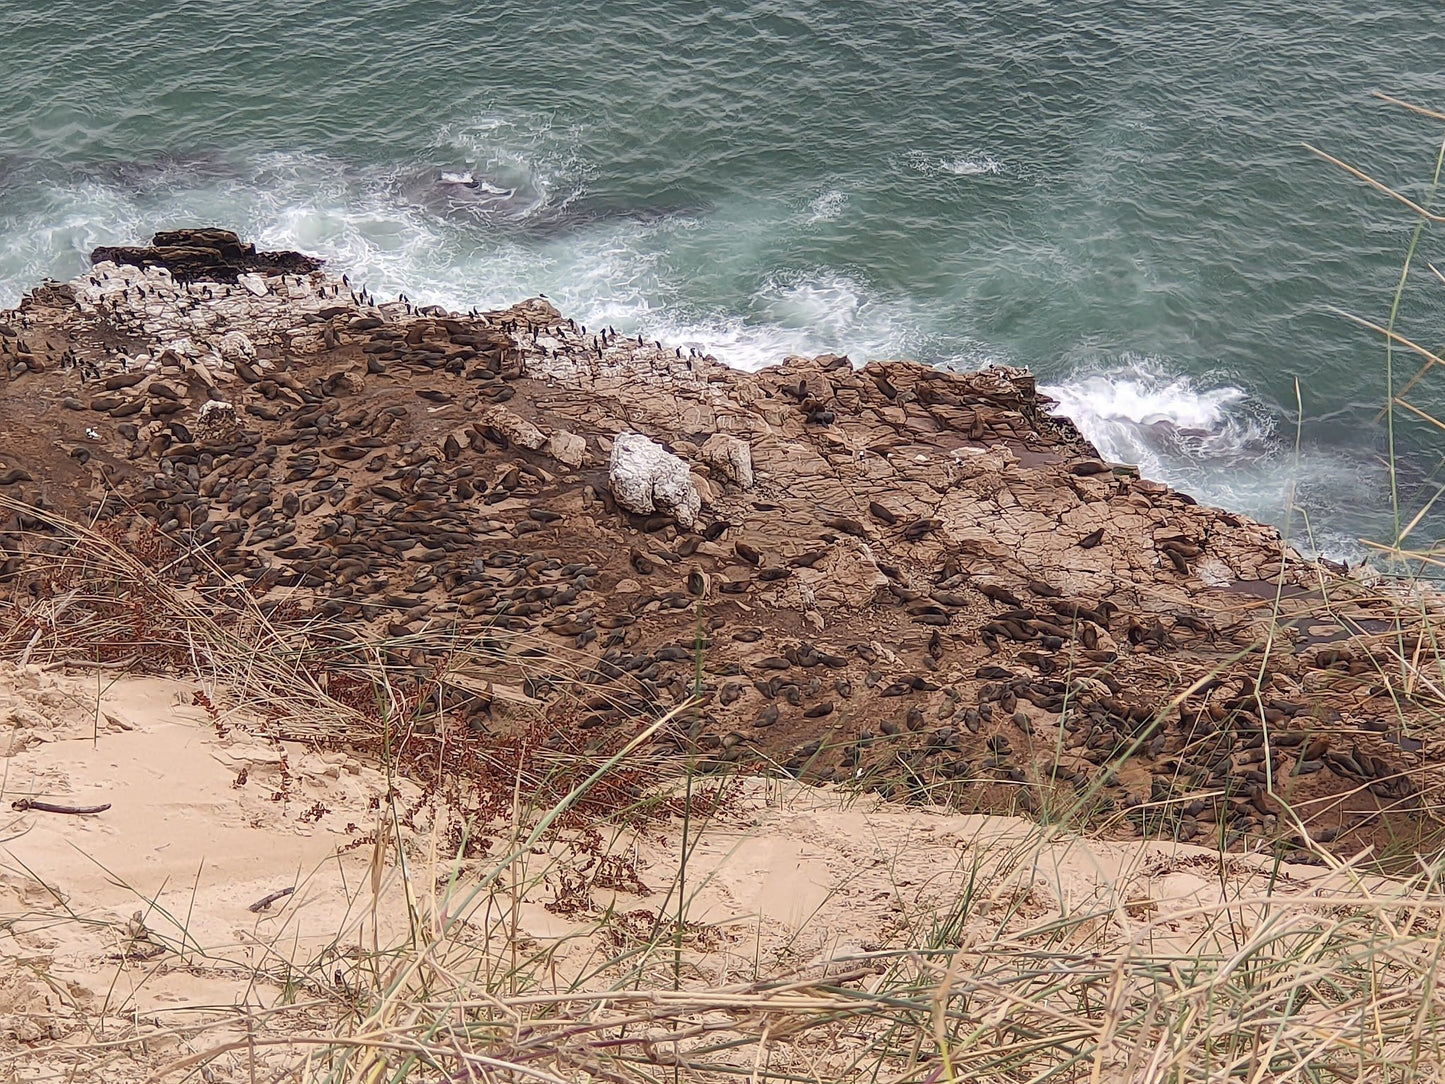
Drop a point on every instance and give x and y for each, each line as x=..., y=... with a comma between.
x=914, y=581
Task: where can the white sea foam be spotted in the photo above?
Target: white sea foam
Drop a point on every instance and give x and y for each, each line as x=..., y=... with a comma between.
x=1137, y=411
x=826, y=207
x=534, y=166
x=966, y=166
x=818, y=311
x=1209, y=437
x=795, y=313
x=960, y=164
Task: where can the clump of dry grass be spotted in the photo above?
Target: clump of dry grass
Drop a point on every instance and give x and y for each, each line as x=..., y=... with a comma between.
x=1271, y=985
x=100, y=596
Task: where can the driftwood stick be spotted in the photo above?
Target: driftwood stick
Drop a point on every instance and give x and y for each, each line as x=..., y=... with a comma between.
x=266, y=901
x=93, y=664
x=22, y=804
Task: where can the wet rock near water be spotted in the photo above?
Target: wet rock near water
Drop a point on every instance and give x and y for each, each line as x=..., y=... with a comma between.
x=214, y=255
x=913, y=581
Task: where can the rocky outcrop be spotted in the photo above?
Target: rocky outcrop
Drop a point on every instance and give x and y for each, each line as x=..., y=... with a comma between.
x=913, y=580
x=206, y=255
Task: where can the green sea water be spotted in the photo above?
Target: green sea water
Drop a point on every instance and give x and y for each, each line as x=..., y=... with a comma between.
x=1114, y=194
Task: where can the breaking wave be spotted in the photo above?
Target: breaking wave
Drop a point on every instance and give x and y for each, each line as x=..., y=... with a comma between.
x=1210, y=437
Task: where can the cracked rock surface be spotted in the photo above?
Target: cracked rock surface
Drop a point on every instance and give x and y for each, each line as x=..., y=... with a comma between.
x=915, y=581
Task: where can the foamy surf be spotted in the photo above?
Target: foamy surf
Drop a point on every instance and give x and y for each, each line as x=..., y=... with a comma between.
x=963, y=164
x=521, y=167
x=1211, y=438
x=1139, y=412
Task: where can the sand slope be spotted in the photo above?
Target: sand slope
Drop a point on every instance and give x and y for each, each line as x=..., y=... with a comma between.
x=134, y=922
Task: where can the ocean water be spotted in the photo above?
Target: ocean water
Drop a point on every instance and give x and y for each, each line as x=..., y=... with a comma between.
x=1114, y=194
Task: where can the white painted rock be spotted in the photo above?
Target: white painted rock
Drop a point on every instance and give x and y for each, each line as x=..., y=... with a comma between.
x=236, y=345
x=645, y=477
x=253, y=282
x=731, y=457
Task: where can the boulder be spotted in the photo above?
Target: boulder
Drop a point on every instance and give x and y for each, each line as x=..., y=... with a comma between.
x=236, y=346
x=567, y=448
x=517, y=429
x=216, y=421
x=645, y=478
x=206, y=254
x=730, y=457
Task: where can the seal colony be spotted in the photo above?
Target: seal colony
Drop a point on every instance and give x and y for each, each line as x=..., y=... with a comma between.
x=913, y=580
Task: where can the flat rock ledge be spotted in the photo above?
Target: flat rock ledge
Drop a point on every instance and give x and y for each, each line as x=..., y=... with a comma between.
x=913, y=581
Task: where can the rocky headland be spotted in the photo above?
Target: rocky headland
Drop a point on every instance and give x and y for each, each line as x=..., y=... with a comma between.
x=914, y=581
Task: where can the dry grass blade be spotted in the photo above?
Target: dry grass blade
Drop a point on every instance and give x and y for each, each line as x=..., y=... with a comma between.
x=1411, y=106
x=1380, y=186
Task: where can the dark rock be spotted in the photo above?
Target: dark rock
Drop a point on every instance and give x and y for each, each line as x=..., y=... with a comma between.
x=211, y=255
